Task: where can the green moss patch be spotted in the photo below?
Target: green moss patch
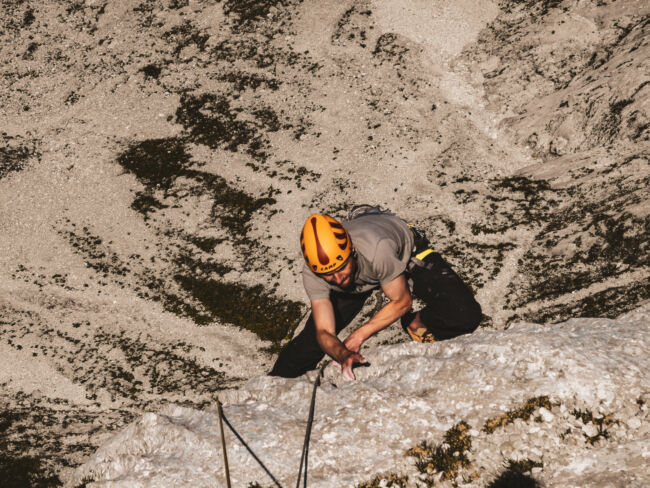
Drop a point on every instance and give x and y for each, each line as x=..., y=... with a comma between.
x=524, y=412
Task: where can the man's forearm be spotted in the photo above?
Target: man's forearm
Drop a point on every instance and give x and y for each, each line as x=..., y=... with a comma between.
x=388, y=314
x=332, y=346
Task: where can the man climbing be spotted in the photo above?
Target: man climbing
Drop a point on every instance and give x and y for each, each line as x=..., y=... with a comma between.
x=345, y=263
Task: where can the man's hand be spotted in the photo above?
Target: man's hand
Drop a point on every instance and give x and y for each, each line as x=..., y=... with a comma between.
x=354, y=341
x=350, y=358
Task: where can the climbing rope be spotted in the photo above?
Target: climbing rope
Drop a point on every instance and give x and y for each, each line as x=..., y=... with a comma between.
x=223, y=444
x=304, y=457
x=305, y=447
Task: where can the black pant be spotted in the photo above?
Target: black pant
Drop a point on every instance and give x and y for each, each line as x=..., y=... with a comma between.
x=450, y=311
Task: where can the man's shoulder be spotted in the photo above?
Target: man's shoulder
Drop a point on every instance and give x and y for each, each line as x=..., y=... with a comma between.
x=314, y=286
x=374, y=224
x=369, y=230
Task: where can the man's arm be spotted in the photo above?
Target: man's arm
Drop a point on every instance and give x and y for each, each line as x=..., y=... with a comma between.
x=323, y=313
x=400, y=298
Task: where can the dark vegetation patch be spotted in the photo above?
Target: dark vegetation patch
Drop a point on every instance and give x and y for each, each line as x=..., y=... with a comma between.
x=392, y=48
x=249, y=307
x=15, y=153
x=25, y=471
x=514, y=201
x=618, y=244
x=151, y=71
x=185, y=35
x=158, y=163
x=145, y=203
x=81, y=16
x=212, y=121
x=447, y=458
x=72, y=98
x=524, y=413
x=148, y=285
x=247, y=12
x=601, y=423
x=87, y=357
x=516, y=475
x=385, y=481
x=238, y=49
x=354, y=26
x=477, y=263
x=178, y=4
x=234, y=208
x=38, y=439
x=609, y=303
x=286, y=170
x=252, y=308
x=166, y=369
x=606, y=242
x=16, y=15
x=241, y=81
x=540, y=7
x=31, y=49
x=205, y=244
x=188, y=263
x=97, y=254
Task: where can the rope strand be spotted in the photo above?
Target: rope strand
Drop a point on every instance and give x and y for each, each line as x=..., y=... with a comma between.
x=305, y=447
x=223, y=444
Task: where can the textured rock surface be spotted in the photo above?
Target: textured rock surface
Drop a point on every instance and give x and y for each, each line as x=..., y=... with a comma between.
x=589, y=434
x=158, y=156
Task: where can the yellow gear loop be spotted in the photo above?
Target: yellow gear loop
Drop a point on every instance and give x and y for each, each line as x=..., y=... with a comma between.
x=423, y=254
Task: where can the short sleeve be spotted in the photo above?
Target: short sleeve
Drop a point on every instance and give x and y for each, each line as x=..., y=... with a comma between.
x=387, y=265
x=315, y=287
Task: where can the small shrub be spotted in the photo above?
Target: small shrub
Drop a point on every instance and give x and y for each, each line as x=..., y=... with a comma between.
x=385, y=481
x=601, y=423
x=447, y=458
x=524, y=413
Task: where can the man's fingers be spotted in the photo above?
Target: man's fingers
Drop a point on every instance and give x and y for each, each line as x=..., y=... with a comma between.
x=346, y=366
x=347, y=372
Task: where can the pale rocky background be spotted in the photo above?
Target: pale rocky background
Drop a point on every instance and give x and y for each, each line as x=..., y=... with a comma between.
x=158, y=158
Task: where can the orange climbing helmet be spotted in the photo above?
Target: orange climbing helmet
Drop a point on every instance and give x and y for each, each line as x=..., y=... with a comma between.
x=325, y=243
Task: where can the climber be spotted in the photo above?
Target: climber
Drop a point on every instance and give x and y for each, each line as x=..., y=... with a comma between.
x=344, y=263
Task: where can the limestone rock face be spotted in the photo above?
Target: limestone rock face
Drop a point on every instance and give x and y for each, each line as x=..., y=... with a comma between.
x=157, y=158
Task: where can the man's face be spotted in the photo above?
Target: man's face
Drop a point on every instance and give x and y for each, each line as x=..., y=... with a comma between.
x=342, y=277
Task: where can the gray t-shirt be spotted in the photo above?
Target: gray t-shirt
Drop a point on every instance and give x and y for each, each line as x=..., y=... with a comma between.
x=383, y=244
